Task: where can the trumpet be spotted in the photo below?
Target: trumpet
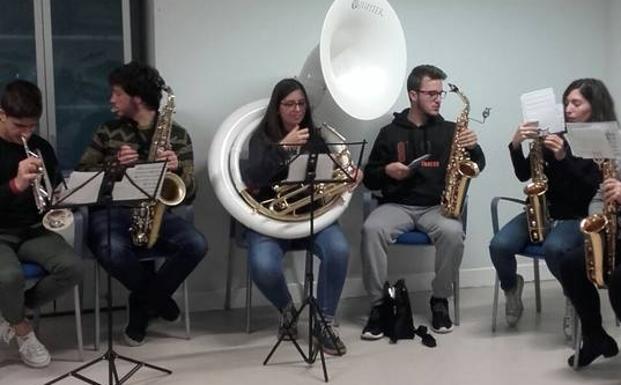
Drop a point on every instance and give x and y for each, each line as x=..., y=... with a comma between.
x=55, y=219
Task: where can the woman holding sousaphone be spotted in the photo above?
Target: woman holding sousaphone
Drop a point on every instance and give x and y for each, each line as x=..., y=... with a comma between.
x=286, y=129
x=598, y=104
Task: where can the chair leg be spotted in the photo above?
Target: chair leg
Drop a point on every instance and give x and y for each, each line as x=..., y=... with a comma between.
x=186, y=309
x=495, y=305
x=229, y=275
x=537, y=285
x=78, y=322
x=36, y=319
x=456, y=298
x=248, y=296
x=97, y=308
x=577, y=339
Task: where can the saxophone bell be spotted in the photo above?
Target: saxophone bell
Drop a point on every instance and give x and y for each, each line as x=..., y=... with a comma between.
x=600, y=234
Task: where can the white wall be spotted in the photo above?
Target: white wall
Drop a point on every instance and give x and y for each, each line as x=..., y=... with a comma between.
x=614, y=69
x=220, y=55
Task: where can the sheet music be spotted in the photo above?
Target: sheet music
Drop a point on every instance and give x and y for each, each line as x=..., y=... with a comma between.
x=80, y=189
x=148, y=176
x=541, y=106
x=595, y=140
x=323, y=169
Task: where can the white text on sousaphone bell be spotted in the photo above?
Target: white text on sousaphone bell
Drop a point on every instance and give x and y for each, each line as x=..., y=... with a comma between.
x=367, y=6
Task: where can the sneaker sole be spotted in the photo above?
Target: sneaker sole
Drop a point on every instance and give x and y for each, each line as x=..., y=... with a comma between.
x=131, y=342
x=371, y=337
x=38, y=365
x=329, y=351
x=442, y=330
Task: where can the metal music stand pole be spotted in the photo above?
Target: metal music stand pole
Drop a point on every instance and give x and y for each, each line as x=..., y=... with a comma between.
x=111, y=174
x=315, y=316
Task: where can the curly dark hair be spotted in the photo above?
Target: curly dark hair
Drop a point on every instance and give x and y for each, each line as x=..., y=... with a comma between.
x=138, y=79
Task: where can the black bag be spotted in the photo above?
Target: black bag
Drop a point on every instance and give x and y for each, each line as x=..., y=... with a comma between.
x=396, y=312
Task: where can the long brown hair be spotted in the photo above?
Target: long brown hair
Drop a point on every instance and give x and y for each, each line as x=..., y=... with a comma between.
x=271, y=123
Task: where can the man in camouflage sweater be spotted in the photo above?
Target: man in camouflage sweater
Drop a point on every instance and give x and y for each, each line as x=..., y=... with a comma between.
x=136, y=93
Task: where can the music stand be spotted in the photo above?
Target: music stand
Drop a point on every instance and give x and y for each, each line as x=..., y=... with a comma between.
x=313, y=152
x=142, y=183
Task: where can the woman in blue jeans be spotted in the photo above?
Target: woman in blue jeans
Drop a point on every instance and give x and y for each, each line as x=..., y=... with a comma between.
x=571, y=182
x=288, y=121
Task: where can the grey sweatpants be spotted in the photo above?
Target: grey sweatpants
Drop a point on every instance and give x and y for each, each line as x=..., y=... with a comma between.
x=387, y=222
x=45, y=248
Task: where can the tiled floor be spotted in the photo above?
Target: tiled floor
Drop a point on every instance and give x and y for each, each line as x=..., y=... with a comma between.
x=220, y=352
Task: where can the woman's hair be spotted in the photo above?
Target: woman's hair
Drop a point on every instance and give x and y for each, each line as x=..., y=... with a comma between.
x=596, y=93
x=271, y=123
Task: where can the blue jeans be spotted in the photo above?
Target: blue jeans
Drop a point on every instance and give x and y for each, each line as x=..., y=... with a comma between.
x=562, y=240
x=179, y=241
x=265, y=257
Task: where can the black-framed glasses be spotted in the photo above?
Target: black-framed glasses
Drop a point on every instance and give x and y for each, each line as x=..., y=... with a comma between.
x=292, y=104
x=433, y=94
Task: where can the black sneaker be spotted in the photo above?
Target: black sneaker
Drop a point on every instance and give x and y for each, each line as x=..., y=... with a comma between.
x=440, y=319
x=288, y=328
x=136, y=328
x=168, y=310
x=374, y=329
x=328, y=340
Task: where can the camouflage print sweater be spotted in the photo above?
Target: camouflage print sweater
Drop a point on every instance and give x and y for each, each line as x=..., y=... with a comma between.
x=110, y=136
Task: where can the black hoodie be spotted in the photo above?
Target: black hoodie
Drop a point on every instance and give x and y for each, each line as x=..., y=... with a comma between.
x=572, y=182
x=402, y=141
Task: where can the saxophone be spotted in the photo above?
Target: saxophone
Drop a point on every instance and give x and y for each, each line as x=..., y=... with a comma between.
x=147, y=217
x=600, y=232
x=460, y=168
x=537, y=216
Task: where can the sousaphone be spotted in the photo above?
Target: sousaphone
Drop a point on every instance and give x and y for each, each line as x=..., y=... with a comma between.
x=358, y=66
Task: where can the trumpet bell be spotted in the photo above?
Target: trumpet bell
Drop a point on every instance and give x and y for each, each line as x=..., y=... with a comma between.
x=58, y=220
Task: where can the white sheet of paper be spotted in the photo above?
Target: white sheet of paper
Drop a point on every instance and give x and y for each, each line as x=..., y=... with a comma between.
x=297, y=168
x=600, y=140
x=88, y=194
x=146, y=176
x=541, y=106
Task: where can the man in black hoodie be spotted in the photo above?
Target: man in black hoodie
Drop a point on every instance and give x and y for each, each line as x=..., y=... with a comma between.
x=22, y=237
x=411, y=196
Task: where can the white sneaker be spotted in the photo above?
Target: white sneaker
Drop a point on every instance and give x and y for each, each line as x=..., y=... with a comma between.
x=6, y=331
x=32, y=351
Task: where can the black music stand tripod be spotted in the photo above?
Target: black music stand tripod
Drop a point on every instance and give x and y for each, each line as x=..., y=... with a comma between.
x=314, y=150
x=113, y=174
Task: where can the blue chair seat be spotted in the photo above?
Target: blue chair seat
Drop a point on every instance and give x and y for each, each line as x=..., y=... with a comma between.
x=414, y=237
x=32, y=270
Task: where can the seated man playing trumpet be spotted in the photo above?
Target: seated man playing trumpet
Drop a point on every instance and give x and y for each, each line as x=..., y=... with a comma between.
x=22, y=236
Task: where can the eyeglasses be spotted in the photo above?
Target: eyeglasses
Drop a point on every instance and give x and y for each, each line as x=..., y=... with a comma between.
x=433, y=94
x=292, y=104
